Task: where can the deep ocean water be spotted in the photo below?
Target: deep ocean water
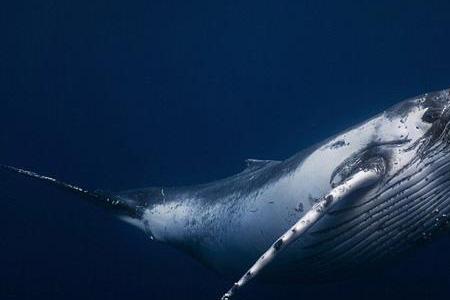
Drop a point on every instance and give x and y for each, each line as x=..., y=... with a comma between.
x=117, y=95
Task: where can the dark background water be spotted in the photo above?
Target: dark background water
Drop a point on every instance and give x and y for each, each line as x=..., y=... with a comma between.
x=124, y=94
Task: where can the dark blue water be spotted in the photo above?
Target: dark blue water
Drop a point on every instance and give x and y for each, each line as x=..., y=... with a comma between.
x=123, y=94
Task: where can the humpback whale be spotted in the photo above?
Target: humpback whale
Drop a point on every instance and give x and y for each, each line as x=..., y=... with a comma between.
x=349, y=203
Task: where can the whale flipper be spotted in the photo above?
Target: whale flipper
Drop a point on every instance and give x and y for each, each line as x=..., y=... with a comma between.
x=361, y=179
x=117, y=205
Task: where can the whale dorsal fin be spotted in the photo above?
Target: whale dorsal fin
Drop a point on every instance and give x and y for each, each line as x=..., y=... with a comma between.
x=251, y=163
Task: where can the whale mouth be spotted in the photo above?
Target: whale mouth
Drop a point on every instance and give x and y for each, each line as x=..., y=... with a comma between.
x=437, y=138
x=438, y=115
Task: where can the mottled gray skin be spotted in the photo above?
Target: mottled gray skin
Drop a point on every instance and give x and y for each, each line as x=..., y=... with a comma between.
x=228, y=224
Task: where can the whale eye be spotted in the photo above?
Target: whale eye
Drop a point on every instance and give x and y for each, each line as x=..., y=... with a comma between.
x=431, y=115
x=367, y=159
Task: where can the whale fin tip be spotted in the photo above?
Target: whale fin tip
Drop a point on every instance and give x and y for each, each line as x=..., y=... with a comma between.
x=107, y=200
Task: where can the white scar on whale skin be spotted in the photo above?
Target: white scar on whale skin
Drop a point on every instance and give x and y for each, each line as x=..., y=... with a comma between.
x=359, y=180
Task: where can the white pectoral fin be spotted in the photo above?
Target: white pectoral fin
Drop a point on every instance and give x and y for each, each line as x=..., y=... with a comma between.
x=361, y=179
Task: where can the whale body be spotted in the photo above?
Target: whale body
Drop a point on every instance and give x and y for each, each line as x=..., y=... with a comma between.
x=227, y=224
